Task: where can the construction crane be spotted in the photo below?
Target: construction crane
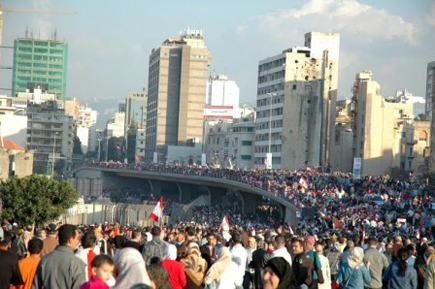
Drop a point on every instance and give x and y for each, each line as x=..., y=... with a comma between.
x=25, y=10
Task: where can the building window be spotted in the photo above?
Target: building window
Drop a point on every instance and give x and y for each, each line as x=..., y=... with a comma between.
x=294, y=86
x=422, y=136
x=246, y=143
x=246, y=157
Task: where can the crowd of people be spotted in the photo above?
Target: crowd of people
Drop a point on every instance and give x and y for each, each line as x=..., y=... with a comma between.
x=197, y=255
x=371, y=232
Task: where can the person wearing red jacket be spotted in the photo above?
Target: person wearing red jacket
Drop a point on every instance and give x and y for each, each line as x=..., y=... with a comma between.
x=177, y=276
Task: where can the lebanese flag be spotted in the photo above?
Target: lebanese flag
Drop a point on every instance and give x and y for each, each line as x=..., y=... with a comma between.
x=225, y=224
x=158, y=211
x=304, y=183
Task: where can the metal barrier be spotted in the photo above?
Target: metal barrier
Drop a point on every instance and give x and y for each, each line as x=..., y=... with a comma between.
x=135, y=215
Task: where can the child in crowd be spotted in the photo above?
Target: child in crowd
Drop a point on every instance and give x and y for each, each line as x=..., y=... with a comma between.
x=102, y=272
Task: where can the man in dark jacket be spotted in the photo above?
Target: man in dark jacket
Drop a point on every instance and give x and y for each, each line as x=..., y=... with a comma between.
x=259, y=260
x=9, y=270
x=208, y=250
x=302, y=265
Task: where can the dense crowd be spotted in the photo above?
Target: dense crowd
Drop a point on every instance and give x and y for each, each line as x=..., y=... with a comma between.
x=372, y=232
x=196, y=255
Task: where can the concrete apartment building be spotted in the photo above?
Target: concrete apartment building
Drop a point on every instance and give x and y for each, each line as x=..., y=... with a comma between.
x=176, y=87
x=430, y=89
x=50, y=130
x=40, y=62
x=232, y=140
x=86, y=128
x=296, y=99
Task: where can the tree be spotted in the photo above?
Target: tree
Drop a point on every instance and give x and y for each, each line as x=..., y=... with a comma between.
x=35, y=199
x=77, y=146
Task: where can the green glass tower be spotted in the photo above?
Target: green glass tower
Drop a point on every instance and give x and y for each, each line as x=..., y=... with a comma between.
x=41, y=63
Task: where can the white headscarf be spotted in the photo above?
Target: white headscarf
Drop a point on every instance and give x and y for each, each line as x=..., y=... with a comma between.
x=170, y=252
x=356, y=258
x=131, y=269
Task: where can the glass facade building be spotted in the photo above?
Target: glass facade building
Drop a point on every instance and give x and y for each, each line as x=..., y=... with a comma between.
x=40, y=63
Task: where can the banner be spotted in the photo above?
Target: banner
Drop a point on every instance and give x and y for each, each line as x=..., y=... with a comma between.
x=155, y=157
x=268, y=161
x=357, y=163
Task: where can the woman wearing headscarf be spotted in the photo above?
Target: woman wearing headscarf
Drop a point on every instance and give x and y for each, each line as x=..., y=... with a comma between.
x=194, y=266
x=278, y=274
x=130, y=268
x=175, y=269
x=223, y=272
x=353, y=274
x=399, y=275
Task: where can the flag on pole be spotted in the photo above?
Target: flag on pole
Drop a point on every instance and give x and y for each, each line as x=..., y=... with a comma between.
x=225, y=226
x=157, y=213
x=303, y=182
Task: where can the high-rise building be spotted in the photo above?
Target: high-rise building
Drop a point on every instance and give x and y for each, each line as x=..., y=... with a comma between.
x=430, y=88
x=40, y=63
x=50, y=132
x=176, y=93
x=296, y=99
x=135, y=108
x=222, y=91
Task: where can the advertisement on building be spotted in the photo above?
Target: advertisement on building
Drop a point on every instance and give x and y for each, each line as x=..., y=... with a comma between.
x=218, y=112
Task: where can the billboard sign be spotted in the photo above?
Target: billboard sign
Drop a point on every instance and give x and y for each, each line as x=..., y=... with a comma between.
x=218, y=112
x=357, y=163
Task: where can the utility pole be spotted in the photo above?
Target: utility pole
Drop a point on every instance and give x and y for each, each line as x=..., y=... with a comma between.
x=53, y=159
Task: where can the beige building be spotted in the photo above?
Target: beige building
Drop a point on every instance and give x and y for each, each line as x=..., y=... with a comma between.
x=14, y=160
x=176, y=93
x=383, y=131
x=422, y=136
x=342, y=154
x=296, y=99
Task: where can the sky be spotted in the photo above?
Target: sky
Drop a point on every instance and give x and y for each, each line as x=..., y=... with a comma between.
x=110, y=41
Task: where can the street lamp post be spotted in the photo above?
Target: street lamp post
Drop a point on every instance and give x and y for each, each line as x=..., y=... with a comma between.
x=53, y=159
x=99, y=148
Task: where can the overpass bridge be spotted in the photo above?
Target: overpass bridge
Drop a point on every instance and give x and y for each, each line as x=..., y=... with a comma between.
x=186, y=187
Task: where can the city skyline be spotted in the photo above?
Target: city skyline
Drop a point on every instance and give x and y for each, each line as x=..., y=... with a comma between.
x=108, y=59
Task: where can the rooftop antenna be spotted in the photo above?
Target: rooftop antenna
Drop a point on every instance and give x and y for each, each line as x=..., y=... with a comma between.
x=39, y=33
x=27, y=32
x=55, y=34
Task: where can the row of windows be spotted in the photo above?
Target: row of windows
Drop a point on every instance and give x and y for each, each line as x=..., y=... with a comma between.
x=266, y=101
x=270, y=89
x=265, y=149
x=271, y=65
x=271, y=77
x=265, y=125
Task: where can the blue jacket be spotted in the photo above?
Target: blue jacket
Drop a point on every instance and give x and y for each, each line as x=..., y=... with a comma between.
x=358, y=277
x=395, y=281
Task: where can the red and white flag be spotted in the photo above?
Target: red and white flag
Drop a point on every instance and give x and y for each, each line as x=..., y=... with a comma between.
x=158, y=211
x=225, y=224
x=303, y=182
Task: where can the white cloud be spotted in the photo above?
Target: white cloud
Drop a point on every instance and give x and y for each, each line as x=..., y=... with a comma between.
x=345, y=16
